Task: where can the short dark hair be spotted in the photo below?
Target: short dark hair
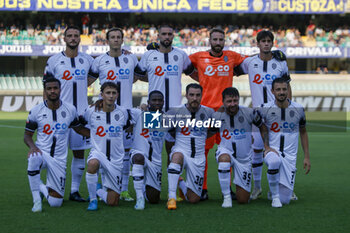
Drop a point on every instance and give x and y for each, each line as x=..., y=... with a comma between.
x=113, y=30
x=263, y=34
x=51, y=79
x=112, y=85
x=155, y=92
x=71, y=27
x=278, y=80
x=164, y=26
x=230, y=91
x=195, y=86
x=219, y=30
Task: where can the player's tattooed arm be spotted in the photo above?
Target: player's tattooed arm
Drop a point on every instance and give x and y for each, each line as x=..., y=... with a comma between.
x=28, y=140
x=305, y=145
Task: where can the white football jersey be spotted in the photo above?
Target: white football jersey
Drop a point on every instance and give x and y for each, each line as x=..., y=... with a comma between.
x=191, y=139
x=106, y=131
x=119, y=70
x=236, y=131
x=164, y=73
x=261, y=74
x=148, y=142
x=283, y=125
x=52, y=128
x=73, y=74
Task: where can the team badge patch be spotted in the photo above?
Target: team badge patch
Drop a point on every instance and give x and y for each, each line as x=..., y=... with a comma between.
x=125, y=59
x=241, y=119
x=274, y=66
x=291, y=113
x=81, y=61
x=116, y=117
x=225, y=58
x=202, y=116
x=176, y=58
x=63, y=114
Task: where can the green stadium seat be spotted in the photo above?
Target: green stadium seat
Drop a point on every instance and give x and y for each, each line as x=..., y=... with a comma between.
x=15, y=83
x=9, y=83
x=33, y=83
x=39, y=82
x=27, y=84
x=21, y=84
x=3, y=84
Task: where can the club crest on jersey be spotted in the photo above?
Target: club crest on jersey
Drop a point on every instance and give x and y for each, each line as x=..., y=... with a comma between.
x=241, y=119
x=81, y=61
x=116, y=117
x=291, y=113
x=126, y=60
x=274, y=66
x=225, y=58
x=176, y=58
x=63, y=114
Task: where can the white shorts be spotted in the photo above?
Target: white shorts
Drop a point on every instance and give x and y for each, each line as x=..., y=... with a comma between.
x=242, y=169
x=194, y=169
x=258, y=143
x=112, y=173
x=77, y=141
x=55, y=175
x=287, y=173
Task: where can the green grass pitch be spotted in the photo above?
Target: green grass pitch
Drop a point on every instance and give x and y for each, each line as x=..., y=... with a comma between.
x=323, y=204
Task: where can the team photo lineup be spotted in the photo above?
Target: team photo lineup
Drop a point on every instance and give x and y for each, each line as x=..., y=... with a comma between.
x=121, y=143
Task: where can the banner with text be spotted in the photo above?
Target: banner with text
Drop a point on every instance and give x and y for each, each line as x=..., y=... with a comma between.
x=291, y=52
x=183, y=6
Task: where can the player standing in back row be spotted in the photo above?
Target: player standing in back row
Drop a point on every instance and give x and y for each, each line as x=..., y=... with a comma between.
x=118, y=67
x=72, y=68
x=262, y=69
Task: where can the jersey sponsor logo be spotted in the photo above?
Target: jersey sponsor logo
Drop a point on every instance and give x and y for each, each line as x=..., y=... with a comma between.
x=285, y=126
x=58, y=128
x=169, y=69
x=258, y=79
x=220, y=70
x=196, y=131
x=154, y=134
x=236, y=133
x=79, y=74
x=121, y=73
x=113, y=131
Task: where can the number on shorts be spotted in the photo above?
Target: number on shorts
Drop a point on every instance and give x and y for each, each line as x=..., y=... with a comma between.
x=199, y=181
x=62, y=182
x=247, y=177
x=293, y=175
x=159, y=177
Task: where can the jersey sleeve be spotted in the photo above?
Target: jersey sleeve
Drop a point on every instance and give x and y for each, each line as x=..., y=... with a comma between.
x=188, y=68
x=140, y=143
x=257, y=118
x=135, y=60
x=94, y=71
x=87, y=116
x=31, y=123
x=75, y=118
x=49, y=68
x=244, y=65
x=141, y=68
x=285, y=71
x=302, y=121
x=194, y=59
x=238, y=58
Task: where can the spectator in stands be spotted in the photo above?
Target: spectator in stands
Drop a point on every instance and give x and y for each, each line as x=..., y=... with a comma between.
x=322, y=69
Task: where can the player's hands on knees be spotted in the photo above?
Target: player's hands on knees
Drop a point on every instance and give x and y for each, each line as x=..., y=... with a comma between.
x=35, y=151
x=269, y=149
x=307, y=165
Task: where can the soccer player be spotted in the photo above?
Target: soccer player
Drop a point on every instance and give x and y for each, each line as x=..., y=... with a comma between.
x=72, y=69
x=215, y=70
x=262, y=69
x=52, y=120
x=106, y=130
x=284, y=120
x=235, y=149
x=188, y=151
x=146, y=156
x=115, y=66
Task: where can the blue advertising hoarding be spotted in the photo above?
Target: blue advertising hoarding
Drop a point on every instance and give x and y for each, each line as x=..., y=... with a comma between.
x=95, y=50
x=183, y=6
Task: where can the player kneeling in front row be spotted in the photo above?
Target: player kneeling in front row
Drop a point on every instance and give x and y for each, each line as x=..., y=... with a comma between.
x=235, y=148
x=52, y=120
x=188, y=151
x=106, y=129
x=283, y=121
x=146, y=155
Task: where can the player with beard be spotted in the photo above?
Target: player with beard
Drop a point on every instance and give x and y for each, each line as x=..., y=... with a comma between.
x=72, y=69
x=283, y=121
x=215, y=70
